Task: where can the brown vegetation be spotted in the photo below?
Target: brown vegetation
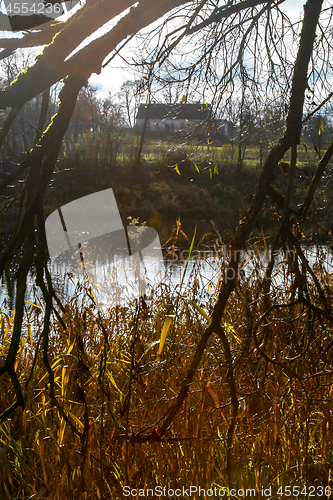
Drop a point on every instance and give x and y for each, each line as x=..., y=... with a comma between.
x=114, y=395
x=241, y=392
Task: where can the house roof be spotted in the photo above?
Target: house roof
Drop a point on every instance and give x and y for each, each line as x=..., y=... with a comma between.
x=174, y=111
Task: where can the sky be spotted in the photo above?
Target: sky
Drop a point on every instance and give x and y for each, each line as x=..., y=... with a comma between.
x=114, y=74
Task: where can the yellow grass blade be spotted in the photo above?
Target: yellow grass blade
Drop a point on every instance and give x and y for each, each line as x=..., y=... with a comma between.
x=112, y=380
x=71, y=348
x=32, y=304
x=200, y=310
x=230, y=329
x=165, y=329
x=29, y=332
x=61, y=431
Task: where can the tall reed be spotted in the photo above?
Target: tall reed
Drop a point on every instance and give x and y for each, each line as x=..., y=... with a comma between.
x=114, y=394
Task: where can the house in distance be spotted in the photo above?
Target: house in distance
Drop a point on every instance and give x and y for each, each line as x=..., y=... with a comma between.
x=180, y=118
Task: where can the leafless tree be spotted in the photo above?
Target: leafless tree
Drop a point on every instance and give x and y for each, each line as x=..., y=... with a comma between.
x=129, y=97
x=214, y=48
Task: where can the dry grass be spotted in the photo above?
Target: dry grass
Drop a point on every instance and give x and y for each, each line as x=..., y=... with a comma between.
x=113, y=392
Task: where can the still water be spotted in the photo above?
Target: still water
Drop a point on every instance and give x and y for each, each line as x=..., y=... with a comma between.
x=120, y=276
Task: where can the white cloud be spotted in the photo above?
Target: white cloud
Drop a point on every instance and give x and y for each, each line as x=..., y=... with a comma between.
x=111, y=77
x=294, y=9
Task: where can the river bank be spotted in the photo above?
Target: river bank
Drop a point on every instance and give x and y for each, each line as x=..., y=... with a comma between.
x=160, y=194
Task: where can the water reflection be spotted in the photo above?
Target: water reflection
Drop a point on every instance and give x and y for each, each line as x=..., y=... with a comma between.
x=117, y=273
x=89, y=244
x=87, y=239
x=121, y=278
